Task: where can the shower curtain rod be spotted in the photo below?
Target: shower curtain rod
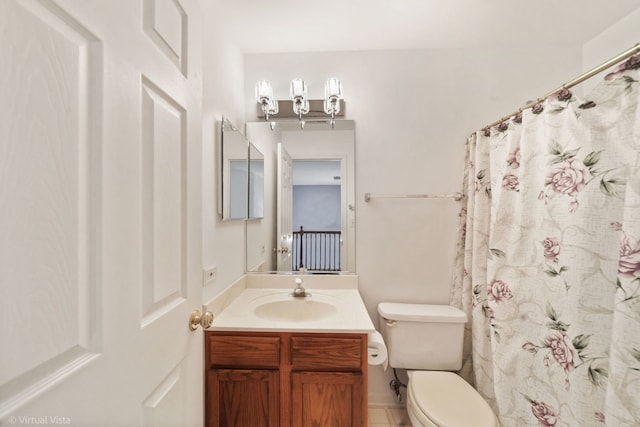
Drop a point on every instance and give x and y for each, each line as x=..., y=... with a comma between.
x=624, y=55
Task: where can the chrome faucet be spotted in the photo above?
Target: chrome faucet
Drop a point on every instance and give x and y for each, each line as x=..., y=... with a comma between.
x=299, y=291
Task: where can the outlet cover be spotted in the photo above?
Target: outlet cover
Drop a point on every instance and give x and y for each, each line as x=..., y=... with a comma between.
x=209, y=275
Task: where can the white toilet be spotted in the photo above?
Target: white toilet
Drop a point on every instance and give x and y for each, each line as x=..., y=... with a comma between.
x=426, y=340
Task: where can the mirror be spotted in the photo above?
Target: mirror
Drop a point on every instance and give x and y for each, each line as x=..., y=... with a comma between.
x=242, y=176
x=309, y=195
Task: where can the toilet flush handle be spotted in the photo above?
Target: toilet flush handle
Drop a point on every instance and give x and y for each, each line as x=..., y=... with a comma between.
x=389, y=322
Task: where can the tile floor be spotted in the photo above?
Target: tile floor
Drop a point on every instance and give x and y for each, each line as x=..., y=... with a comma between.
x=388, y=416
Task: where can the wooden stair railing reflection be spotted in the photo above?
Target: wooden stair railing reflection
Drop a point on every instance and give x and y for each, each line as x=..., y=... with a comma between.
x=316, y=250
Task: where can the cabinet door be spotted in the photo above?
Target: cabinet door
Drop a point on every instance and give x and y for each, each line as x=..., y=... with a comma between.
x=243, y=398
x=327, y=399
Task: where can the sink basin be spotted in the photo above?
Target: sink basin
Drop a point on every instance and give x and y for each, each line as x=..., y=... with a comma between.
x=295, y=310
x=262, y=308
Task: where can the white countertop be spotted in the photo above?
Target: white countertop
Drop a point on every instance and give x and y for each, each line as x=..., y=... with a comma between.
x=272, y=309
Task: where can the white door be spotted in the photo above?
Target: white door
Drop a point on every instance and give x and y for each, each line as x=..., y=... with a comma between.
x=100, y=181
x=284, y=209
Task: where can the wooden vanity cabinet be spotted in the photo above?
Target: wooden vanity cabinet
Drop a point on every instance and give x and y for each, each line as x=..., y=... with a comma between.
x=244, y=397
x=285, y=379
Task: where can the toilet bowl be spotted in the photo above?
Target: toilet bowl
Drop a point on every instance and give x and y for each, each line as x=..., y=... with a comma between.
x=426, y=340
x=443, y=399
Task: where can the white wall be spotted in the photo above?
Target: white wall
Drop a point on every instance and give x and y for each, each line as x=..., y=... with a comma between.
x=223, y=84
x=413, y=111
x=614, y=40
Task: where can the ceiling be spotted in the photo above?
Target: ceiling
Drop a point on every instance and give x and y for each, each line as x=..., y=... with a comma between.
x=259, y=26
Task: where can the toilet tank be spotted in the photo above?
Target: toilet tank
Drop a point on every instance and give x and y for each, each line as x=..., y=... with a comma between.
x=422, y=336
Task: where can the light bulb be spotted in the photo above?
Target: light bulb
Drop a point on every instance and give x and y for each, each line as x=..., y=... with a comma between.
x=333, y=87
x=264, y=91
x=332, y=96
x=298, y=89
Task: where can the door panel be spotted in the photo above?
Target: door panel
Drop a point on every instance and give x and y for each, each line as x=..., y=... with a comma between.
x=100, y=255
x=48, y=219
x=166, y=23
x=163, y=186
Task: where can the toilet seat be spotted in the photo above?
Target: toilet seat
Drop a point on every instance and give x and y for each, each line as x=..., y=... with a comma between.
x=444, y=399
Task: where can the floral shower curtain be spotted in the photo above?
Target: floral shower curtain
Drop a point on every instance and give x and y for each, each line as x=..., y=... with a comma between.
x=548, y=263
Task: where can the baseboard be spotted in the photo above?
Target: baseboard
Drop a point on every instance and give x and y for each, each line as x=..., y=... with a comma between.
x=387, y=399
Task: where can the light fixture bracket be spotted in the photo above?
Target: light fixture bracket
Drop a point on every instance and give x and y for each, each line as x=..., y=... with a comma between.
x=316, y=110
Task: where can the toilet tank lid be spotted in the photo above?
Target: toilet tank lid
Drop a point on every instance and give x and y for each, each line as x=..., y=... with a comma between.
x=421, y=312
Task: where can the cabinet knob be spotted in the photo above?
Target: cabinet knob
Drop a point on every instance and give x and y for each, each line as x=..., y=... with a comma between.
x=200, y=319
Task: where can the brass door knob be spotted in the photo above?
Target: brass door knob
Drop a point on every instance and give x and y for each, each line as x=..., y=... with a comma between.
x=200, y=319
x=281, y=250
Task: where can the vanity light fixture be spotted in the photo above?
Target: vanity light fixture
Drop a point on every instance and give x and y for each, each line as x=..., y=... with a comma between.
x=331, y=106
x=264, y=96
x=332, y=96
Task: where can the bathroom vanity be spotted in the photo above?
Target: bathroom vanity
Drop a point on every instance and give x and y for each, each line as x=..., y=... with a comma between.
x=275, y=360
x=286, y=379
